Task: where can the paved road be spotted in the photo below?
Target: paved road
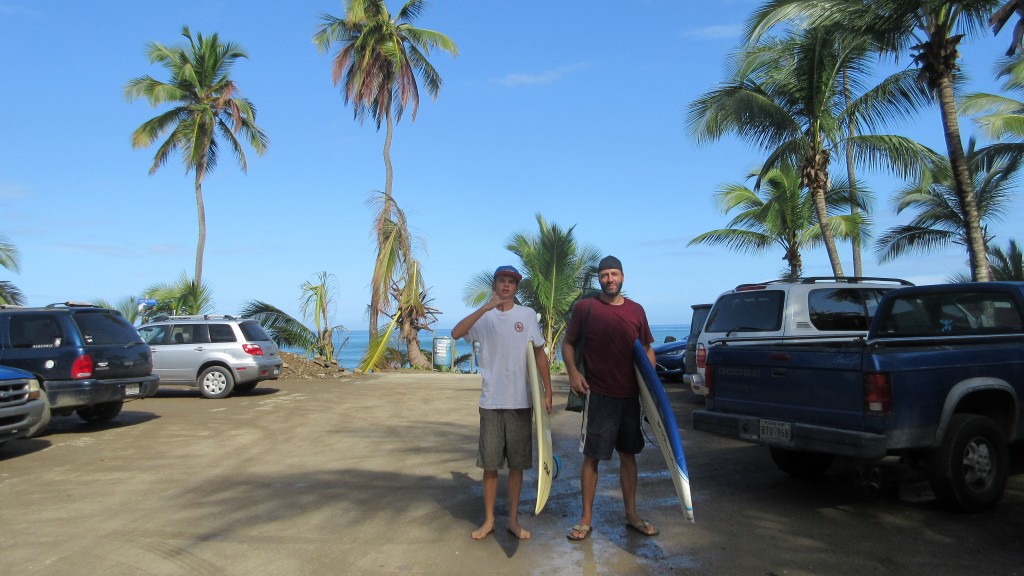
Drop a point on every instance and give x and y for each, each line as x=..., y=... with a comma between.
x=376, y=475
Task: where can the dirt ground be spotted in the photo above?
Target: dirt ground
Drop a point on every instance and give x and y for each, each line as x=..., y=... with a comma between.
x=375, y=474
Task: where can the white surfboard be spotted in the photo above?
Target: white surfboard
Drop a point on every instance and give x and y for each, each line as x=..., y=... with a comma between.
x=542, y=430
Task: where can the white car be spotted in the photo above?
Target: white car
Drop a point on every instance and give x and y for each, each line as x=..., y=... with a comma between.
x=789, y=312
x=217, y=354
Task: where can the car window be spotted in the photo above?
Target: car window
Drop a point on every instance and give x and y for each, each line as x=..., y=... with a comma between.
x=222, y=333
x=754, y=311
x=153, y=334
x=189, y=334
x=842, y=308
x=253, y=332
x=952, y=314
x=35, y=331
x=104, y=328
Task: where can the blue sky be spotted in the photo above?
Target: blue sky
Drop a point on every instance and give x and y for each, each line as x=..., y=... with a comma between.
x=573, y=110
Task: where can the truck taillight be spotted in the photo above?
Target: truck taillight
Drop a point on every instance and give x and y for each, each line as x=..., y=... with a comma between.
x=702, y=356
x=253, y=349
x=82, y=367
x=709, y=382
x=877, y=393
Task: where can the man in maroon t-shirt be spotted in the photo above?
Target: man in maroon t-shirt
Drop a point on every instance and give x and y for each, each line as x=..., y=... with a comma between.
x=611, y=419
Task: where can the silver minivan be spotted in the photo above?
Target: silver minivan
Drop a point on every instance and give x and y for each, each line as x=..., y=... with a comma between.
x=217, y=354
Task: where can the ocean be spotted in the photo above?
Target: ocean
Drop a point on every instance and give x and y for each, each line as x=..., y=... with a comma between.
x=353, y=350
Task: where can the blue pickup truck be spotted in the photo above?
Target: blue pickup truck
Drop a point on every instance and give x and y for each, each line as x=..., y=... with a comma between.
x=938, y=380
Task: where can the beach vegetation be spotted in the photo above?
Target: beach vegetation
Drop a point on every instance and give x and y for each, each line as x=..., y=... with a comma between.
x=930, y=31
x=10, y=259
x=939, y=219
x=556, y=269
x=798, y=97
x=781, y=214
x=183, y=297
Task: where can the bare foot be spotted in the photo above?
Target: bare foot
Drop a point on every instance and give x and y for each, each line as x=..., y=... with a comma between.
x=482, y=532
x=519, y=532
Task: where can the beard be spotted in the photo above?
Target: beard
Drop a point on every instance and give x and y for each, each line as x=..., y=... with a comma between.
x=611, y=290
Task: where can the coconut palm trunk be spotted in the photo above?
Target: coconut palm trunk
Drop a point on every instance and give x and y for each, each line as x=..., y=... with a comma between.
x=962, y=178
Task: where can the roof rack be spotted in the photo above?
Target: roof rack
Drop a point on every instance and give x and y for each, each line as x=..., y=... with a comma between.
x=72, y=304
x=203, y=317
x=836, y=279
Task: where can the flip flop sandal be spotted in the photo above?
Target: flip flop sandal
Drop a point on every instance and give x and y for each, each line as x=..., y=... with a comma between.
x=581, y=529
x=641, y=527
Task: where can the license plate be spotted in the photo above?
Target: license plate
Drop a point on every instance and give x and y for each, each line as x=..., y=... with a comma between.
x=131, y=389
x=775, y=430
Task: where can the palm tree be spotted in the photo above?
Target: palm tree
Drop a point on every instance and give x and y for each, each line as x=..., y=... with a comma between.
x=932, y=30
x=556, y=270
x=791, y=97
x=377, y=65
x=128, y=306
x=289, y=332
x=1008, y=265
x=185, y=296
x=318, y=303
x=205, y=101
x=398, y=275
x=10, y=259
x=940, y=219
x=1001, y=117
x=780, y=214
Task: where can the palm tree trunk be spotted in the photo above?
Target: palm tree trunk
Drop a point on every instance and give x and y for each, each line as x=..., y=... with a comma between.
x=378, y=293
x=410, y=335
x=814, y=175
x=201, y=246
x=962, y=180
x=851, y=132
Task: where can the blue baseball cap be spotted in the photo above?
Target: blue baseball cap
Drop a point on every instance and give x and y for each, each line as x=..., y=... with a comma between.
x=509, y=271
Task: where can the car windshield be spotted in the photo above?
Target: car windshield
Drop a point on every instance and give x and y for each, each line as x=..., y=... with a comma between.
x=759, y=311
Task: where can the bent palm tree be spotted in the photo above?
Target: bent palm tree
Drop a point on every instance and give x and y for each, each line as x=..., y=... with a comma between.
x=205, y=101
x=377, y=66
x=780, y=214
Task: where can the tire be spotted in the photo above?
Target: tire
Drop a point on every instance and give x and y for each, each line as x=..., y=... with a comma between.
x=243, y=388
x=968, y=470
x=216, y=382
x=44, y=420
x=806, y=465
x=99, y=413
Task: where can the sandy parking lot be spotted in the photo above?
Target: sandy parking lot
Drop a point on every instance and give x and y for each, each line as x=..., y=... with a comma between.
x=375, y=475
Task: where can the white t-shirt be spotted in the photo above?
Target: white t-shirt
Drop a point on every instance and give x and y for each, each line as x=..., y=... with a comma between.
x=503, y=338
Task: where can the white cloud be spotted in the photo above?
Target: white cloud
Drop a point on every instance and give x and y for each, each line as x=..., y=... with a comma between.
x=525, y=79
x=715, y=32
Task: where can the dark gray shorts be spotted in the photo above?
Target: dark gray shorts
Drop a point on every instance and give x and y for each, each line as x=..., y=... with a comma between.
x=611, y=424
x=506, y=439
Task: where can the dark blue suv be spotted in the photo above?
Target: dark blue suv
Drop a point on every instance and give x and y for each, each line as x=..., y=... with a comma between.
x=88, y=360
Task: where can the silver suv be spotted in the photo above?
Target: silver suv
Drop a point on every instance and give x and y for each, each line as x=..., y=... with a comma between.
x=788, y=312
x=217, y=354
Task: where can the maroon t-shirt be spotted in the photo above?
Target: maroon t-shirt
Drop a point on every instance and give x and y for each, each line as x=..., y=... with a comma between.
x=608, y=349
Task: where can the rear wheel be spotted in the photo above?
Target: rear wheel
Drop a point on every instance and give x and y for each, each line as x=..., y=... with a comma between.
x=104, y=412
x=44, y=419
x=802, y=464
x=969, y=468
x=216, y=382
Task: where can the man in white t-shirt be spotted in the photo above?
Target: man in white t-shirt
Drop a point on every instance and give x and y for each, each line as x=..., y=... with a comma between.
x=504, y=330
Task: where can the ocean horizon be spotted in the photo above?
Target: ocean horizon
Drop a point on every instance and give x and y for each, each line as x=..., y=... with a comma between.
x=356, y=341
